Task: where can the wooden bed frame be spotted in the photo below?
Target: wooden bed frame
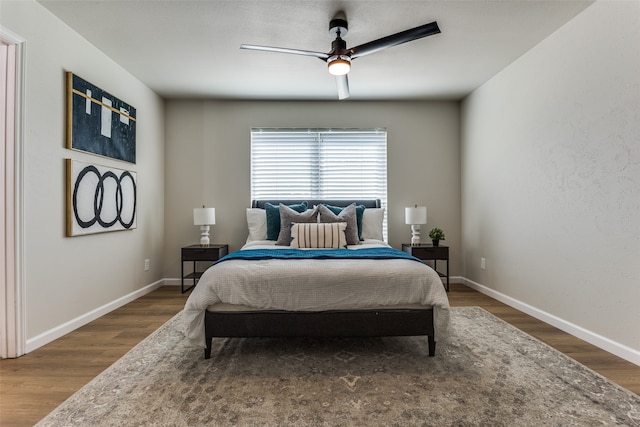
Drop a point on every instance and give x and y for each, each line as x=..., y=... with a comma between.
x=334, y=323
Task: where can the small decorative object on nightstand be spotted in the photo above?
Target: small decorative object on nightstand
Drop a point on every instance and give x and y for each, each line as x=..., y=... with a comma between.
x=195, y=253
x=430, y=253
x=415, y=217
x=204, y=217
x=436, y=234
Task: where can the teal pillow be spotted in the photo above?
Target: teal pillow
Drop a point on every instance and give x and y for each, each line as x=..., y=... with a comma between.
x=273, y=218
x=359, y=214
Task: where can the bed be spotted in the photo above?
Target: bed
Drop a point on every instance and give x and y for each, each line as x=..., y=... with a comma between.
x=366, y=289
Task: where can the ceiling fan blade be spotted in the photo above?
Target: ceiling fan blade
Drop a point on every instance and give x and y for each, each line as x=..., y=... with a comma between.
x=320, y=55
x=343, y=86
x=395, y=39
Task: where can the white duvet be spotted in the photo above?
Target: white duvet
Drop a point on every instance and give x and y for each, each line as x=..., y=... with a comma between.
x=316, y=285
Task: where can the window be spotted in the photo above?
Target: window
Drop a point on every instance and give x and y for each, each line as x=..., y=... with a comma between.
x=319, y=164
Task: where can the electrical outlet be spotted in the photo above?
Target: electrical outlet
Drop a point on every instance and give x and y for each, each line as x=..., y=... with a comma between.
x=147, y=264
x=483, y=263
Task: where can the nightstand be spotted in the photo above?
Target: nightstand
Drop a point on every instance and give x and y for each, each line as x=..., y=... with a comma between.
x=195, y=253
x=430, y=253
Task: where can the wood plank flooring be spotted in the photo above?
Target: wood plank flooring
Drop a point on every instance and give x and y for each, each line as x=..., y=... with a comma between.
x=33, y=385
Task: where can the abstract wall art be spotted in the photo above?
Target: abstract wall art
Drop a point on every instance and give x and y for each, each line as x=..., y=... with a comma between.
x=98, y=122
x=99, y=198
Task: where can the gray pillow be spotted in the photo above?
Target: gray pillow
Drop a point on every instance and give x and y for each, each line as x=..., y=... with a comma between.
x=347, y=215
x=287, y=216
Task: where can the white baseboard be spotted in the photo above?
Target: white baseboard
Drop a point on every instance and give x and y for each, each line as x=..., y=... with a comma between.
x=604, y=343
x=65, y=328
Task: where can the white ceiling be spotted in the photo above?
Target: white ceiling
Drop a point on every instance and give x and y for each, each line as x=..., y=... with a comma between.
x=191, y=48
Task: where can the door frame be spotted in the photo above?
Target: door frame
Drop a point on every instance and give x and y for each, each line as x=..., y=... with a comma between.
x=12, y=284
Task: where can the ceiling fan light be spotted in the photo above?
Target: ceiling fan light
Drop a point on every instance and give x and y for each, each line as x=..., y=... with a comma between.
x=339, y=65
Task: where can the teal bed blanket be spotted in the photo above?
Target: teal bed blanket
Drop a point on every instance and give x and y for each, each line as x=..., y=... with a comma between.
x=367, y=253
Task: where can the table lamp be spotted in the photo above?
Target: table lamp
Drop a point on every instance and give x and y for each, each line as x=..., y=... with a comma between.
x=204, y=217
x=415, y=216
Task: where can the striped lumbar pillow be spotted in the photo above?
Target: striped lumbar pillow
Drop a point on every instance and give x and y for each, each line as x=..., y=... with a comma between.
x=315, y=235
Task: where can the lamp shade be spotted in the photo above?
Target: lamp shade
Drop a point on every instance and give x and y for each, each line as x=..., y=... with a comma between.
x=204, y=216
x=415, y=215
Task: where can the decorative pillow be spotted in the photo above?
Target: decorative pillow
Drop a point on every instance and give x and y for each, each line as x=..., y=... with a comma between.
x=314, y=235
x=347, y=215
x=287, y=216
x=372, y=223
x=359, y=212
x=257, y=222
x=273, y=218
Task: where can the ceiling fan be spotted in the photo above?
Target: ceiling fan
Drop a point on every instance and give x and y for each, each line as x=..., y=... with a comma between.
x=339, y=58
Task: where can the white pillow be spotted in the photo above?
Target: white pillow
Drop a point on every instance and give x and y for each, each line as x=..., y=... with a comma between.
x=372, y=223
x=257, y=222
x=329, y=235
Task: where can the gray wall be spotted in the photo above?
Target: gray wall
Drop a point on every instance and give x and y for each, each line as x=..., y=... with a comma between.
x=208, y=151
x=551, y=177
x=66, y=278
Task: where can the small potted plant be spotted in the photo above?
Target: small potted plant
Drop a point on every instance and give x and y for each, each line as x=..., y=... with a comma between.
x=436, y=234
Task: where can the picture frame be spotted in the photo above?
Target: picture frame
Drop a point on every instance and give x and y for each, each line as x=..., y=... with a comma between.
x=98, y=122
x=99, y=198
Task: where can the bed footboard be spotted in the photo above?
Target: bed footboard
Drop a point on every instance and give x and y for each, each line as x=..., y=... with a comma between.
x=337, y=323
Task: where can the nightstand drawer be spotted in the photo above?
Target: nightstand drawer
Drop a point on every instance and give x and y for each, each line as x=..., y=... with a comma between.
x=430, y=252
x=204, y=253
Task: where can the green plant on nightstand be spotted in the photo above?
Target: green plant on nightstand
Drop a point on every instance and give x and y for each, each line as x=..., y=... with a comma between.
x=436, y=234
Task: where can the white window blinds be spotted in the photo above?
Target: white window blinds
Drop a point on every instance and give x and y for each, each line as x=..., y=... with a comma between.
x=319, y=163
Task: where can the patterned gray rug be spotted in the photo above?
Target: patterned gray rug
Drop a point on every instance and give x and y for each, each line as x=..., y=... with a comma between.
x=487, y=373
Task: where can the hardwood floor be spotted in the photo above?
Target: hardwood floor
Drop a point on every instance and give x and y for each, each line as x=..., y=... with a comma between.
x=33, y=385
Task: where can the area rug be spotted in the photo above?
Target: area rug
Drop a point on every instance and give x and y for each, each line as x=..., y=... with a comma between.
x=486, y=373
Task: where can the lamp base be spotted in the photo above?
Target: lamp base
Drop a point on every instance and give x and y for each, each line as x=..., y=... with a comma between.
x=204, y=235
x=415, y=235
